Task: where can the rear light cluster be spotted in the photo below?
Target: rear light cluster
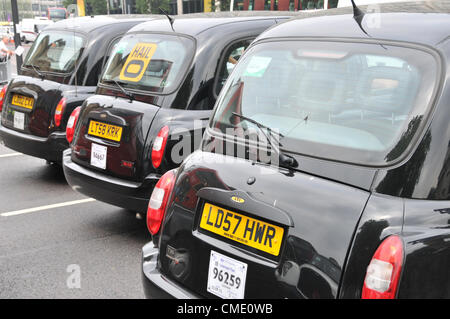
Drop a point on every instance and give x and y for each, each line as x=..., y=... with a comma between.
x=2, y=96
x=72, y=123
x=159, y=145
x=384, y=270
x=159, y=200
x=59, y=112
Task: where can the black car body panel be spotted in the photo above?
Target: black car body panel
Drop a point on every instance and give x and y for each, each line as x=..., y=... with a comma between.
x=281, y=205
x=135, y=123
x=185, y=109
x=426, y=236
x=341, y=212
x=48, y=88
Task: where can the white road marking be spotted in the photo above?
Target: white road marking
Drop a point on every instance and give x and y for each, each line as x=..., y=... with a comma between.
x=47, y=207
x=10, y=155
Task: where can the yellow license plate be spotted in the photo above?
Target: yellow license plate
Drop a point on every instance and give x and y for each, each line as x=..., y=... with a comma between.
x=107, y=131
x=22, y=101
x=240, y=228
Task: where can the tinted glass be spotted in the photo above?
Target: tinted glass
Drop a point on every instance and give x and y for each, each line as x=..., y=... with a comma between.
x=55, y=51
x=352, y=102
x=231, y=56
x=149, y=62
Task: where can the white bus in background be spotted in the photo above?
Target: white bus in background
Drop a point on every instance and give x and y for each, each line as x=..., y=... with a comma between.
x=30, y=28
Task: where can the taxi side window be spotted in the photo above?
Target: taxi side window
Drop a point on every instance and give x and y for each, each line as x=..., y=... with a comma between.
x=96, y=70
x=111, y=48
x=228, y=62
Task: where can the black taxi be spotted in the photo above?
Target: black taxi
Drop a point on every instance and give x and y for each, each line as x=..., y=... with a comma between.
x=159, y=87
x=60, y=71
x=324, y=172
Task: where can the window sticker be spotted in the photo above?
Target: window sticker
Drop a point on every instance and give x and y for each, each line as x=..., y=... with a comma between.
x=137, y=62
x=120, y=47
x=257, y=66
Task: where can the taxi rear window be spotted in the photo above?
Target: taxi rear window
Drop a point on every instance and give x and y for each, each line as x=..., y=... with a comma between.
x=149, y=62
x=55, y=51
x=352, y=102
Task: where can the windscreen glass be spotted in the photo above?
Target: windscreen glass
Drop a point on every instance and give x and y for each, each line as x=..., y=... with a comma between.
x=351, y=102
x=149, y=62
x=55, y=51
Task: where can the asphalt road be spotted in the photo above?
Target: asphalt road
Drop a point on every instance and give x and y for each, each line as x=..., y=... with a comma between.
x=77, y=248
x=84, y=250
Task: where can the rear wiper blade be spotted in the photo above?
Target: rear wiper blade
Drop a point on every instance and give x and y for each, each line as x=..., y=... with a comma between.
x=127, y=94
x=260, y=125
x=286, y=161
x=35, y=68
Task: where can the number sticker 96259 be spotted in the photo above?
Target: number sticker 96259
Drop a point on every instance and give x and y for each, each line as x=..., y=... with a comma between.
x=226, y=276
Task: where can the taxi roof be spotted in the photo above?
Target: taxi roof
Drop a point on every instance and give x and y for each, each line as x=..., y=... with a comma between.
x=204, y=21
x=91, y=23
x=424, y=22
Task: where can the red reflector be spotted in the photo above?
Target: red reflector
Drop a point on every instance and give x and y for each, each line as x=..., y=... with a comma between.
x=159, y=200
x=72, y=123
x=59, y=111
x=383, y=272
x=159, y=145
x=127, y=164
x=2, y=96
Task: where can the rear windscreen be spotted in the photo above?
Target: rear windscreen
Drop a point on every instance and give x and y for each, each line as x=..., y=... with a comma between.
x=55, y=51
x=149, y=62
x=352, y=102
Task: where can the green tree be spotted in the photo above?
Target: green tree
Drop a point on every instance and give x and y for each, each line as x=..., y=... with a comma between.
x=224, y=5
x=67, y=3
x=91, y=7
x=96, y=7
x=151, y=6
x=142, y=6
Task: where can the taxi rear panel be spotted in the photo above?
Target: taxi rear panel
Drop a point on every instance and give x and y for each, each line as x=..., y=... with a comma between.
x=110, y=137
x=308, y=265
x=30, y=105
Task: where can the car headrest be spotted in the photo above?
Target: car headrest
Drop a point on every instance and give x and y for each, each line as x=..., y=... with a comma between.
x=388, y=89
x=322, y=91
x=157, y=66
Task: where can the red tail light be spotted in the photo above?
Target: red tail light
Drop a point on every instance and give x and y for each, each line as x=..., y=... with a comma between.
x=158, y=201
x=2, y=96
x=159, y=145
x=383, y=272
x=72, y=123
x=59, y=111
